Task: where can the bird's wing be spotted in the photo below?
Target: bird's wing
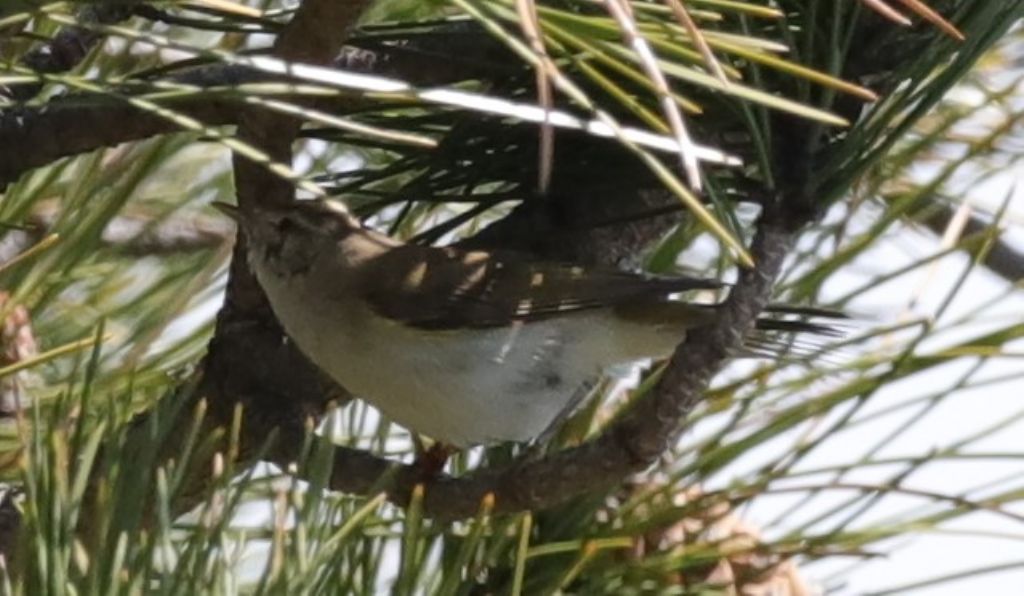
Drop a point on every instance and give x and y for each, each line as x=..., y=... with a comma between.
x=446, y=288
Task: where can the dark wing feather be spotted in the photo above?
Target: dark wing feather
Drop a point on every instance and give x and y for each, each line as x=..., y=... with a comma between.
x=444, y=288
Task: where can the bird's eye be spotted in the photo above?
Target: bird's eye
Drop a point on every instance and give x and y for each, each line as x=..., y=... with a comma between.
x=286, y=225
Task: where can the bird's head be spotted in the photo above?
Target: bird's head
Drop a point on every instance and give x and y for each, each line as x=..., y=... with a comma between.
x=288, y=238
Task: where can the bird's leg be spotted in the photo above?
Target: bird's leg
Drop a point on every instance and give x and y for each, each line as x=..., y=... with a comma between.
x=430, y=461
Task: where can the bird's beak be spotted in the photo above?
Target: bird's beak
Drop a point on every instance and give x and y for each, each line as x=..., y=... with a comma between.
x=229, y=210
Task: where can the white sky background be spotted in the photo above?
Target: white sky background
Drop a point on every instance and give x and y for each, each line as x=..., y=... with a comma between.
x=960, y=414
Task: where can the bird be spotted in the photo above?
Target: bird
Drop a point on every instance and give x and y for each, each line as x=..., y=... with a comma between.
x=466, y=347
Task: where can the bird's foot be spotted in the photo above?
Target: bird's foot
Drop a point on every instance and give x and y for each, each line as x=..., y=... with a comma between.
x=430, y=461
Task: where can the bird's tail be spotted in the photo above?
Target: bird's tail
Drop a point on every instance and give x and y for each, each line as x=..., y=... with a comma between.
x=785, y=318
x=781, y=332
x=777, y=333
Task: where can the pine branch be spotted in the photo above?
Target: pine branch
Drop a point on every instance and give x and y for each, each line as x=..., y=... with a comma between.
x=1002, y=258
x=250, y=360
x=69, y=47
x=34, y=136
x=135, y=233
